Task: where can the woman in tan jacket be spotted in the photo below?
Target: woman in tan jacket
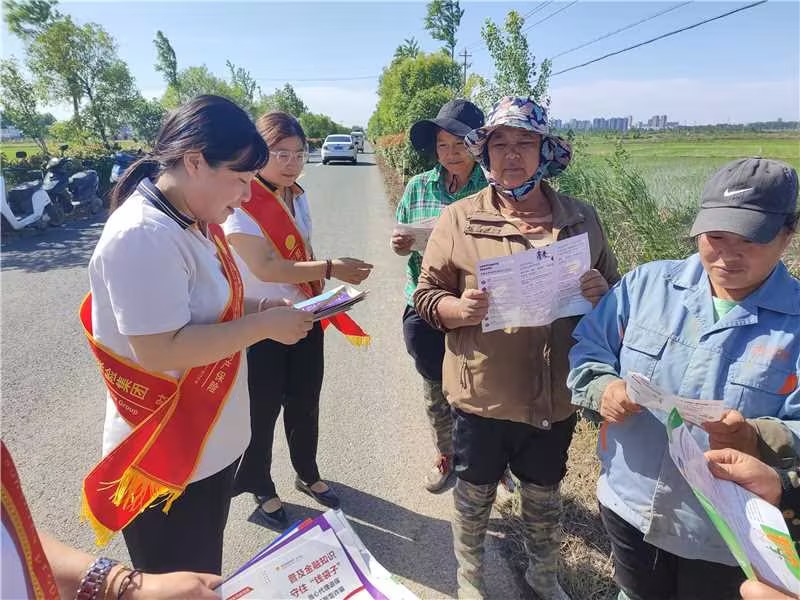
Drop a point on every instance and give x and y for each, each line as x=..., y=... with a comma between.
x=507, y=388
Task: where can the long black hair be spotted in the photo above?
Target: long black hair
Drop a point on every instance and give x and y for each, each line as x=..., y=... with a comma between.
x=213, y=125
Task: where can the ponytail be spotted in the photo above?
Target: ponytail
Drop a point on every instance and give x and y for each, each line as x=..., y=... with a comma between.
x=146, y=167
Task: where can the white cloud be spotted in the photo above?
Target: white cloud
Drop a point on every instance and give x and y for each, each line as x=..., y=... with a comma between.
x=344, y=105
x=686, y=100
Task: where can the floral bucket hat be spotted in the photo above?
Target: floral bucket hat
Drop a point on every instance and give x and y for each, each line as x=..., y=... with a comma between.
x=524, y=113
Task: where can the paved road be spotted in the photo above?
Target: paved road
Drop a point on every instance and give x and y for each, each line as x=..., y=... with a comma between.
x=374, y=445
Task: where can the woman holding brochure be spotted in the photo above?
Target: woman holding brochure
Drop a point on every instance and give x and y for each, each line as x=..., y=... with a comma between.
x=167, y=320
x=271, y=238
x=455, y=176
x=507, y=388
x=723, y=326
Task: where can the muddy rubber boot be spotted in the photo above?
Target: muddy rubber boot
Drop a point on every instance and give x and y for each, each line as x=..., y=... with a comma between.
x=438, y=411
x=541, y=512
x=473, y=505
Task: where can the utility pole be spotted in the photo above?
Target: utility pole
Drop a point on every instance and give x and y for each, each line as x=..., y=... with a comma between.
x=466, y=56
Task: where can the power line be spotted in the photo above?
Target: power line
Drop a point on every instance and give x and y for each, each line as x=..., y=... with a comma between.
x=529, y=27
x=621, y=29
x=537, y=9
x=551, y=15
x=525, y=16
x=660, y=37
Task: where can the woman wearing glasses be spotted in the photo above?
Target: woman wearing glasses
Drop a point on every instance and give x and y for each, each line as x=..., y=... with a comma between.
x=271, y=237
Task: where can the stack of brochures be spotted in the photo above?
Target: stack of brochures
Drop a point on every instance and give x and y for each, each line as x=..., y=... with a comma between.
x=338, y=300
x=318, y=559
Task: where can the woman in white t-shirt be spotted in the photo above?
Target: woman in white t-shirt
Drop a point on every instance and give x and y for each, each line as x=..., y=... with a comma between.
x=167, y=320
x=271, y=237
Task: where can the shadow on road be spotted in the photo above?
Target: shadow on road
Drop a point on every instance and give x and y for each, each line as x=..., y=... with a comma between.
x=55, y=248
x=421, y=546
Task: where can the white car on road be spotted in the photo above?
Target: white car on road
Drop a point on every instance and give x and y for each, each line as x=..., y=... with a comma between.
x=339, y=147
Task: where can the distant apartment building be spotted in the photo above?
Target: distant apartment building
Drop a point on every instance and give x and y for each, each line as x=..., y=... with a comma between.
x=618, y=124
x=621, y=124
x=657, y=122
x=578, y=125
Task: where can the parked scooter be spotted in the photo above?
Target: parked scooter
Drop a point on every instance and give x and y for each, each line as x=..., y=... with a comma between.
x=28, y=205
x=122, y=160
x=78, y=191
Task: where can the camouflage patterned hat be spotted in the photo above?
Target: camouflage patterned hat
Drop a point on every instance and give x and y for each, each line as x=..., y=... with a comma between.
x=523, y=113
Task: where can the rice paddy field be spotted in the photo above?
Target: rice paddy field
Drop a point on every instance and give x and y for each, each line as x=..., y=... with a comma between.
x=8, y=150
x=676, y=166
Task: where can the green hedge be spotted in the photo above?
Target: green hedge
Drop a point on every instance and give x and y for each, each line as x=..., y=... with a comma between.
x=401, y=156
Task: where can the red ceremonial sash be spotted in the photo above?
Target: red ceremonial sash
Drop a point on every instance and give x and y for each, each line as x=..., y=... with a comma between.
x=171, y=421
x=18, y=522
x=279, y=227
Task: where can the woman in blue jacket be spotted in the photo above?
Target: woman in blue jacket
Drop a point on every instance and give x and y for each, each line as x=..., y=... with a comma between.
x=724, y=325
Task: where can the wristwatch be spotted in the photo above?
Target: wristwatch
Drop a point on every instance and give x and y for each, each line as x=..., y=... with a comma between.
x=95, y=577
x=790, y=480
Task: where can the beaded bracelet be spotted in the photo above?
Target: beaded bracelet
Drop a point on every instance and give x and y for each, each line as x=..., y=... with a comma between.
x=328, y=268
x=126, y=583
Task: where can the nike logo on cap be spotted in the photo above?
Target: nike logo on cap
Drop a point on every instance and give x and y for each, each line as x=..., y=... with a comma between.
x=728, y=193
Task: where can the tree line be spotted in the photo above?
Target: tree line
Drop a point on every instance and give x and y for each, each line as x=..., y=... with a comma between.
x=415, y=84
x=78, y=65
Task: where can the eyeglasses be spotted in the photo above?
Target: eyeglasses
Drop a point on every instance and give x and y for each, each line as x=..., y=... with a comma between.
x=284, y=157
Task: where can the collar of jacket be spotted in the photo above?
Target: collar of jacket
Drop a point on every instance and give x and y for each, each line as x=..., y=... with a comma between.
x=485, y=218
x=779, y=293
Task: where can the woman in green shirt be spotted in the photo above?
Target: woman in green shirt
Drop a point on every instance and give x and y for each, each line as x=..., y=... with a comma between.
x=455, y=176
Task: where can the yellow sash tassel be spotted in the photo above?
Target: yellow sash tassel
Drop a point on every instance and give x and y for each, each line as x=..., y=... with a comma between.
x=134, y=492
x=359, y=341
x=102, y=534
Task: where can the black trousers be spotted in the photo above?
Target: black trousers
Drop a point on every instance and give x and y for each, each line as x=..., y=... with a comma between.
x=288, y=377
x=189, y=537
x=425, y=345
x=645, y=572
x=484, y=447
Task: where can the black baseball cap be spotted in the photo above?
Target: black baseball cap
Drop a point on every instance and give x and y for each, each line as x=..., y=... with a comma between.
x=458, y=117
x=751, y=197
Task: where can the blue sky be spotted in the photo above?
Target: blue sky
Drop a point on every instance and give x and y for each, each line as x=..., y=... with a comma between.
x=745, y=67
